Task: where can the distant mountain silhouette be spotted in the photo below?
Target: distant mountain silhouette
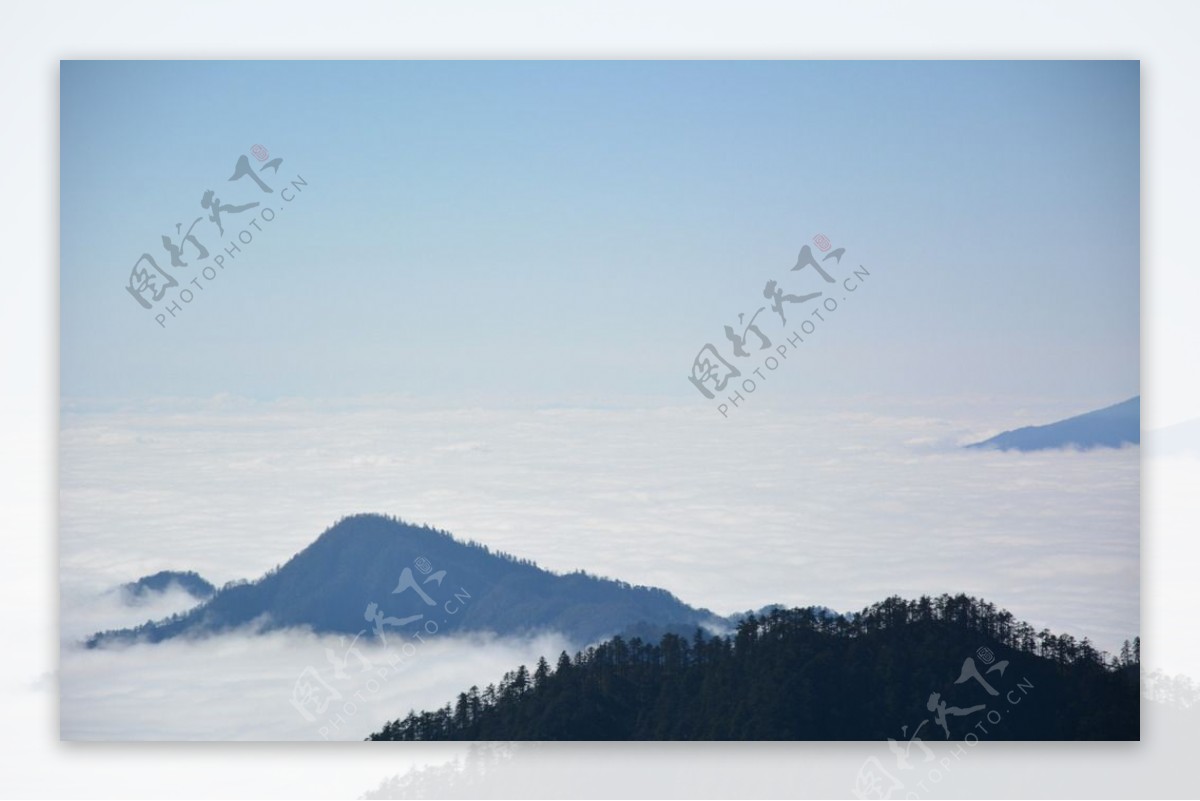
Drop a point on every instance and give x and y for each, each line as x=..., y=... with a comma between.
x=407, y=571
x=1110, y=427
x=924, y=670
x=188, y=581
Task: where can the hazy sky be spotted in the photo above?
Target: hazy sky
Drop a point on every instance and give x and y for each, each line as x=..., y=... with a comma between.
x=558, y=231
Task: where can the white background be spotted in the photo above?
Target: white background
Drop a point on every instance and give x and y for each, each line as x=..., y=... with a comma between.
x=34, y=37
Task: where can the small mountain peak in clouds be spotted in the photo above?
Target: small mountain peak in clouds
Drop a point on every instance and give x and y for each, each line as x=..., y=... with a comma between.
x=136, y=592
x=375, y=575
x=1110, y=427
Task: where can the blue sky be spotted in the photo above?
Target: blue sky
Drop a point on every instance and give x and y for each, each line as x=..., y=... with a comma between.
x=577, y=231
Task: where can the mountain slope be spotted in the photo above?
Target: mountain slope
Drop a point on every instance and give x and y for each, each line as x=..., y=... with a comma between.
x=932, y=667
x=1110, y=427
x=407, y=571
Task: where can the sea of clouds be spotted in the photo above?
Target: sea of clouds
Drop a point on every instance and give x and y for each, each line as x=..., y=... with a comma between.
x=840, y=504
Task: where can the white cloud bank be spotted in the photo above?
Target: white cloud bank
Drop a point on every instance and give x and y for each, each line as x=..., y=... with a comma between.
x=241, y=686
x=810, y=506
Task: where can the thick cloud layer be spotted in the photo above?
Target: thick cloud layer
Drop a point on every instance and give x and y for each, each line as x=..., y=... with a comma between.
x=812, y=506
x=247, y=686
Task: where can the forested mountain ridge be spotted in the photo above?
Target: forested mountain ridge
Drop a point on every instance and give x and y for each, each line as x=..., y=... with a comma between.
x=936, y=668
x=367, y=573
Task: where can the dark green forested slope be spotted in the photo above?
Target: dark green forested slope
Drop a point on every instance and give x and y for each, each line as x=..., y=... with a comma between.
x=801, y=674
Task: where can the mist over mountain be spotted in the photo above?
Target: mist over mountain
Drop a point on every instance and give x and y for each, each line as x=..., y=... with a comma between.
x=188, y=581
x=378, y=575
x=1110, y=427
